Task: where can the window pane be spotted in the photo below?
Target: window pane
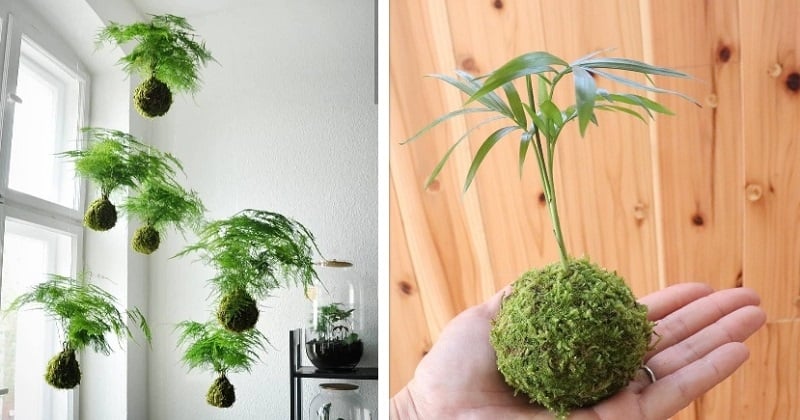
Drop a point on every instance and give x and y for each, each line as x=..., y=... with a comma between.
x=45, y=123
x=29, y=338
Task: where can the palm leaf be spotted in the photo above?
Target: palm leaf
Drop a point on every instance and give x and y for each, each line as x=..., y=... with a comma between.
x=480, y=155
x=531, y=63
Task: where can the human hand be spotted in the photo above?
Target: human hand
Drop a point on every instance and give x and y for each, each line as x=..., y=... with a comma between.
x=701, y=333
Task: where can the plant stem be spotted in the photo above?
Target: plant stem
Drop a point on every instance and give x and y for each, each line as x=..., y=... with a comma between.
x=547, y=177
x=553, y=210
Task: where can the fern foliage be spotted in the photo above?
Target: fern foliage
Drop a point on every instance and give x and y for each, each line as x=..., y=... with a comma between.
x=166, y=48
x=86, y=313
x=211, y=347
x=257, y=251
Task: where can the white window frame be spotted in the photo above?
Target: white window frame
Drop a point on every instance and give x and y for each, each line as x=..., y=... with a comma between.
x=14, y=29
x=14, y=24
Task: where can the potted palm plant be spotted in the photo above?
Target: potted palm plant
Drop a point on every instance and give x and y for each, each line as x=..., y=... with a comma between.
x=167, y=56
x=211, y=347
x=86, y=315
x=569, y=334
x=112, y=160
x=253, y=252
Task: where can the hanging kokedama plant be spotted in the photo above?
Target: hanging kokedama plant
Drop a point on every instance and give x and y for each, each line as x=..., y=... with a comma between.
x=213, y=348
x=167, y=58
x=569, y=334
x=161, y=203
x=86, y=315
x=113, y=159
x=254, y=252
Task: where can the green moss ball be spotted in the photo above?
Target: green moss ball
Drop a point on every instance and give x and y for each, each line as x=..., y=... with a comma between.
x=570, y=337
x=63, y=371
x=145, y=240
x=237, y=311
x=101, y=215
x=152, y=98
x=221, y=393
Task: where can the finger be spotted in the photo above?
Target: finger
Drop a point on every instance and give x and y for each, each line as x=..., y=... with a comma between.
x=669, y=395
x=734, y=327
x=664, y=302
x=492, y=305
x=686, y=321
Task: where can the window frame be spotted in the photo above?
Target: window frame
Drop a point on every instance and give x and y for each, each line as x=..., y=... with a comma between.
x=13, y=30
x=17, y=22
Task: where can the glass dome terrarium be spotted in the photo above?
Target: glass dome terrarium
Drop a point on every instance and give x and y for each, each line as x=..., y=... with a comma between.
x=332, y=337
x=338, y=401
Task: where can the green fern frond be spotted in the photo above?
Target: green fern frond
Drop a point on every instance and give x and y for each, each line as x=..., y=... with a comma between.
x=162, y=203
x=87, y=314
x=114, y=159
x=166, y=48
x=211, y=347
x=257, y=251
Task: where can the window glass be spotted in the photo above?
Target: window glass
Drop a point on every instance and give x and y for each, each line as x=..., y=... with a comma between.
x=46, y=119
x=28, y=337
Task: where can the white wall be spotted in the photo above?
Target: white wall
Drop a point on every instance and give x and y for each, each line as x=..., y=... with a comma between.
x=285, y=122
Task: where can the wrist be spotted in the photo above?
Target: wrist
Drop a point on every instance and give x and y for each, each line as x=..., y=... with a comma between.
x=401, y=406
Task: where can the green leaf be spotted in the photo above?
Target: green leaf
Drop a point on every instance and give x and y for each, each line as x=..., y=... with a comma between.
x=544, y=92
x=483, y=150
x=440, y=165
x=637, y=85
x=524, y=146
x=490, y=98
x=637, y=100
x=553, y=114
x=516, y=105
x=542, y=123
x=585, y=93
x=628, y=65
x=621, y=109
x=532, y=63
x=469, y=87
x=442, y=119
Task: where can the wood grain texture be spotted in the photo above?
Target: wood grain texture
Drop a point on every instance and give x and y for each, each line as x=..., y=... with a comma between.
x=769, y=380
x=699, y=151
x=711, y=194
x=410, y=339
x=770, y=127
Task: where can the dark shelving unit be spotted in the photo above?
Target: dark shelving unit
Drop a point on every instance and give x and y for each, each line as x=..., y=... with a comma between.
x=297, y=372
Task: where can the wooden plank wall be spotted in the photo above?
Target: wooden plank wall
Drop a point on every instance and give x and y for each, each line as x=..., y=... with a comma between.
x=712, y=194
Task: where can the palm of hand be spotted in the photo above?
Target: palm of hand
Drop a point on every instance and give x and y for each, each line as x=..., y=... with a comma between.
x=701, y=333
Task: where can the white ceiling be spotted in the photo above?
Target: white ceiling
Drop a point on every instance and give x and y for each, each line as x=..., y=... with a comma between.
x=187, y=8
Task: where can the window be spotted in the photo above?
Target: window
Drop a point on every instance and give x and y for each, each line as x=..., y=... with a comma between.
x=41, y=201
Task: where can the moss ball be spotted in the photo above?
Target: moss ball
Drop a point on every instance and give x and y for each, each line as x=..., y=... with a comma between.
x=237, y=311
x=63, y=371
x=570, y=337
x=145, y=240
x=152, y=98
x=101, y=215
x=221, y=393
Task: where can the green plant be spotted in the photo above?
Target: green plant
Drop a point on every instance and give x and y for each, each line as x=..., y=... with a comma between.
x=113, y=159
x=210, y=347
x=161, y=203
x=572, y=333
x=166, y=56
x=330, y=325
x=254, y=252
x=86, y=314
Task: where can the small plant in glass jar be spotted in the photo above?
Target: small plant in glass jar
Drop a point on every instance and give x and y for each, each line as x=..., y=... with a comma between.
x=332, y=339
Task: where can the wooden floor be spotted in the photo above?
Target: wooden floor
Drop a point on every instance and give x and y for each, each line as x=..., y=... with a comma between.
x=711, y=194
